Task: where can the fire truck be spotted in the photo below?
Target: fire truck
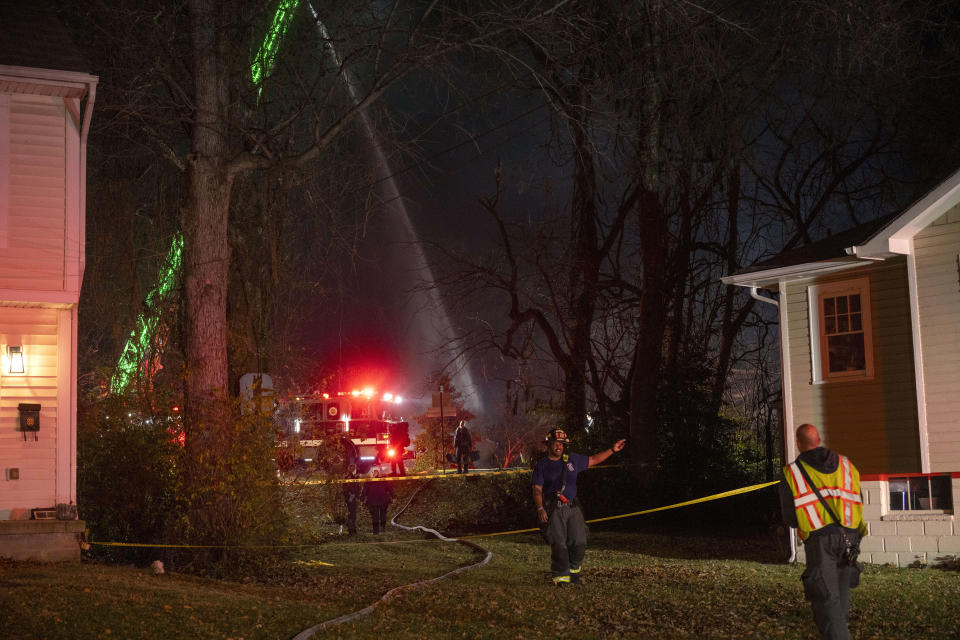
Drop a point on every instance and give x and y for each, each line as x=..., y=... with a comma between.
x=332, y=430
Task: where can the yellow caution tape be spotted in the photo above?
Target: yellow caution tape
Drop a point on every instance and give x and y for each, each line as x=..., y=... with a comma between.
x=430, y=476
x=204, y=546
x=716, y=496
x=392, y=478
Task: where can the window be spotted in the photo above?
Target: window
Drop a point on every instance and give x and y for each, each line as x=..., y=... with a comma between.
x=841, y=340
x=920, y=493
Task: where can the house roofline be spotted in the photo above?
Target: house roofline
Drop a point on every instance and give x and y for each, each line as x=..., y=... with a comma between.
x=76, y=82
x=894, y=238
x=770, y=277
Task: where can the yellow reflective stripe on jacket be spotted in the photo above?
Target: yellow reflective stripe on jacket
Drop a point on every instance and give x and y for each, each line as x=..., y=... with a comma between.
x=841, y=490
x=806, y=511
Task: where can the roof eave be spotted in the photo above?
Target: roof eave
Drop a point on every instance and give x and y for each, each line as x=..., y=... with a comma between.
x=773, y=277
x=39, y=81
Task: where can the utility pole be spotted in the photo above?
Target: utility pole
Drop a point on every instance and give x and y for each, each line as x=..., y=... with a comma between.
x=443, y=439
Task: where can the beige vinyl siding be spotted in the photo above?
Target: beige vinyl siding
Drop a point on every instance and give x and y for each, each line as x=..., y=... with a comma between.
x=34, y=254
x=938, y=300
x=35, y=330
x=873, y=421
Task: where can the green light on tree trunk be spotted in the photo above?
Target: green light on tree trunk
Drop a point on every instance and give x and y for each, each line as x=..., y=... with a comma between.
x=263, y=62
x=138, y=345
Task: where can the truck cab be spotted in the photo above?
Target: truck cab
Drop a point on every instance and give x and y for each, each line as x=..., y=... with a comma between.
x=362, y=422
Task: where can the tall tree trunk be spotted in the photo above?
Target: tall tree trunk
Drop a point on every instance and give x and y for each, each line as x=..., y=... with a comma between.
x=648, y=355
x=584, y=272
x=204, y=220
x=732, y=320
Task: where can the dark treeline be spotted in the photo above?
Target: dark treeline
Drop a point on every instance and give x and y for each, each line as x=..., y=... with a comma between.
x=669, y=143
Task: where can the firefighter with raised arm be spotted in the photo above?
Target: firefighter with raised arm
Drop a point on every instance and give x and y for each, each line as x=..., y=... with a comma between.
x=558, y=508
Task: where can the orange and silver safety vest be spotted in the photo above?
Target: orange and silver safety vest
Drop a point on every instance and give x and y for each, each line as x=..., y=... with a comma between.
x=840, y=489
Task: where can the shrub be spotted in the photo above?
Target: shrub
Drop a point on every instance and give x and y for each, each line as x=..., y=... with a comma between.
x=231, y=491
x=138, y=483
x=471, y=504
x=128, y=476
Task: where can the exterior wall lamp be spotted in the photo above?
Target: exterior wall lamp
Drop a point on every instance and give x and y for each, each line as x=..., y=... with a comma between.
x=14, y=359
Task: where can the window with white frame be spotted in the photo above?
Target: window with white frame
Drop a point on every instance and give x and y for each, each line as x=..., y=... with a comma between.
x=920, y=493
x=840, y=330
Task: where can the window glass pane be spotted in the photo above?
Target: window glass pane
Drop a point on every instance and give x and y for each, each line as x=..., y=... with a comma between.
x=940, y=494
x=856, y=322
x=920, y=493
x=898, y=494
x=842, y=304
x=855, y=303
x=829, y=307
x=830, y=324
x=843, y=324
x=846, y=353
x=315, y=411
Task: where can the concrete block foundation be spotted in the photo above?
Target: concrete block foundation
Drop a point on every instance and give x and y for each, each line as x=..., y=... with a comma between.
x=43, y=540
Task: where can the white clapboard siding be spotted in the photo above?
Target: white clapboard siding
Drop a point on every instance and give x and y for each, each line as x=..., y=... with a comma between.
x=34, y=257
x=873, y=421
x=35, y=330
x=938, y=298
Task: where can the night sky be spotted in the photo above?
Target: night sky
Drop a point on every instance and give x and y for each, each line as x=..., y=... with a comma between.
x=448, y=131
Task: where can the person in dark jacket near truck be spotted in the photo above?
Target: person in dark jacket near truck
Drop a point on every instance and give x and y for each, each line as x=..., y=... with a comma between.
x=832, y=569
x=462, y=447
x=351, y=497
x=378, y=494
x=399, y=434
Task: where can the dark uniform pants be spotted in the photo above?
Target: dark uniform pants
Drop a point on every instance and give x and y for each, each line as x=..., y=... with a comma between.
x=463, y=460
x=827, y=581
x=566, y=533
x=351, y=502
x=378, y=517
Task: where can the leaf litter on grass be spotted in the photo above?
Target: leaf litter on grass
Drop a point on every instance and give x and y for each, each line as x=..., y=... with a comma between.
x=625, y=593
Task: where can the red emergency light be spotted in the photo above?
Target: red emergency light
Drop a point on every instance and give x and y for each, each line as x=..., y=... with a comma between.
x=369, y=393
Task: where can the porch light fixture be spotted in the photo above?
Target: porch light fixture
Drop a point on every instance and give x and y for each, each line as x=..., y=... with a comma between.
x=14, y=359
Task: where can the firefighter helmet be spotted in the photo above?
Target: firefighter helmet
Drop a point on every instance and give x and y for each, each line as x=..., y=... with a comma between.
x=558, y=435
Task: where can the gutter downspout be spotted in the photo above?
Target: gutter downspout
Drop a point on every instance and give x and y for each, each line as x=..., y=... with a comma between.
x=75, y=313
x=792, y=530
x=757, y=296
x=84, y=134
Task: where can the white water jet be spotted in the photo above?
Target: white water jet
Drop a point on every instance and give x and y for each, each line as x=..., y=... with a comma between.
x=429, y=310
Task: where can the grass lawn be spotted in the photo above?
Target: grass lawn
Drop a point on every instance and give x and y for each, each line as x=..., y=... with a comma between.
x=635, y=585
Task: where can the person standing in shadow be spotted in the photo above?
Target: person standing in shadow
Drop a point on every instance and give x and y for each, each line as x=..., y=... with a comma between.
x=463, y=447
x=378, y=494
x=351, y=496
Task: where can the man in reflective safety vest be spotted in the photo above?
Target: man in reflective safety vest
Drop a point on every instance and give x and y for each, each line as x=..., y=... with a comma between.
x=829, y=575
x=558, y=508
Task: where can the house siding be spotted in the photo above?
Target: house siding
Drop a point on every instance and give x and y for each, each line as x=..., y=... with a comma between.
x=35, y=232
x=36, y=330
x=937, y=255
x=873, y=421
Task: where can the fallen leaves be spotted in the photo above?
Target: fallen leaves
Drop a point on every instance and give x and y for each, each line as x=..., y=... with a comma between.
x=625, y=593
